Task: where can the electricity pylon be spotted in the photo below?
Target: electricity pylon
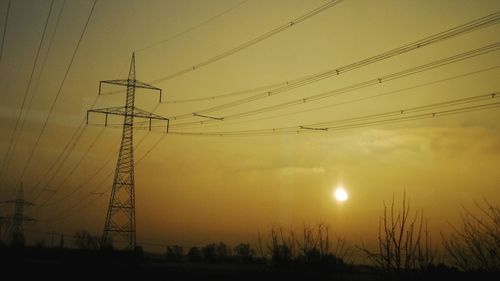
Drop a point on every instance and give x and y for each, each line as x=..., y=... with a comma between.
x=120, y=218
x=15, y=235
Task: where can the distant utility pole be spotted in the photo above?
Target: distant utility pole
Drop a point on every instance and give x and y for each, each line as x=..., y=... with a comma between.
x=16, y=233
x=120, y=218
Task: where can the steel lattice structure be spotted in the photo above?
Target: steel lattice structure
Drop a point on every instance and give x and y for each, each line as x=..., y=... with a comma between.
x=15, y=235
x=120, y=218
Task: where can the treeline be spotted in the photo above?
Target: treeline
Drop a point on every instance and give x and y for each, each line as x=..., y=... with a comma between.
x=404, y=246
x=212, y=253
x=312, y=246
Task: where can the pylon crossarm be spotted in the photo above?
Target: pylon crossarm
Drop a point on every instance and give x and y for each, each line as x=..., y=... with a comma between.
x=17, y=201
x=128, y=83
x=122, y=111
x=139, y=113
x=145, y=114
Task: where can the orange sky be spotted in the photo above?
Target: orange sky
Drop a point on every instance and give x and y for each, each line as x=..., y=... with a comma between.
x=192, y=190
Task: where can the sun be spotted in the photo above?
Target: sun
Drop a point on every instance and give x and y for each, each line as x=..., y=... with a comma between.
x=340, y=194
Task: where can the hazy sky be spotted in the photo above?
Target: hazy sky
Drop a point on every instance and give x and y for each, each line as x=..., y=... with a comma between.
x=192, y=190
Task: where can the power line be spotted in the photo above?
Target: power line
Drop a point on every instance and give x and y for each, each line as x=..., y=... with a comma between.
x=21, y=110
x=368, y=120
x=232, y=94
x=178, y=34
x=81, y=159
x=37, y=83
x=149, y=150
x=58, y=163
x=221, y=124
x=75, y=138
x=244, y=45
x=418, y=109
x=42, y=68
x=476, y=24
x=76, y=208
x=5, y=29
x=63, y=182
x=382, y=79
x=408, y=114
x=373, y=122
x=84, y=183
x=58, y=92
x=342, y=125
x=84, y=155
x=419, y=116
x=92, y=176
x=249, y=43
x=49, y=48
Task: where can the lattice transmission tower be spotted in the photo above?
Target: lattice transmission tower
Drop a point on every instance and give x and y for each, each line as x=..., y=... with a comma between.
x=120, y=217
x=15, y=232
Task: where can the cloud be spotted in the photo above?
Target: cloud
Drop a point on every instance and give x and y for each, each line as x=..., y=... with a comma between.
x=301, y=170
x=448, y=140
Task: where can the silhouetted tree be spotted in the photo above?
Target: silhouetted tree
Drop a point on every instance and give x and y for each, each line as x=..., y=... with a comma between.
x=404, y=243
x=222, y=252
x=476, y=245
x=40, y=243
x=282, y=247
x=18, y=240
x=315, y=247
x=209, y=252
x=139, y=251
x=194, y=254
x=174, y=253
x=243, y=252
x=85, y=241
x=108, y=245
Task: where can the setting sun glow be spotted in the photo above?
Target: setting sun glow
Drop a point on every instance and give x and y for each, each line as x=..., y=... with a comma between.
x=340, y=194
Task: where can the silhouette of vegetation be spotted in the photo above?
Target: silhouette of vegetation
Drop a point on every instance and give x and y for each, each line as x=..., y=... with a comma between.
x=194, y=254
x=404, y=243
x=244, y=252
x=476, y=245
x=40, y=243
x=174, y=253
x=85, y=241
x=222, y=251
x=313, y=248
x=281, y=247
x=18, y=240
x=108, y=245
x=215, y=252
x=208, y=252
x=404, y=252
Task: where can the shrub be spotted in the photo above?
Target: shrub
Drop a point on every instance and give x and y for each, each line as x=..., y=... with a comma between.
x=194, y=254
x=404, y=243
x=476, y=245
x=174, y=253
